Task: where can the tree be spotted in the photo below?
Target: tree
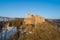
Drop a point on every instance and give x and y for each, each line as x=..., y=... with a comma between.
x=18, y=24
x=10, y=24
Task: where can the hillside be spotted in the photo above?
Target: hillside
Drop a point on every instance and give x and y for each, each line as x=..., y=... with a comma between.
x=56, y=22
x=45, y=31
x=42, y=31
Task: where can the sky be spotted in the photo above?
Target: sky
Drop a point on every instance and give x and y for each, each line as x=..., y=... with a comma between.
x=21, y=8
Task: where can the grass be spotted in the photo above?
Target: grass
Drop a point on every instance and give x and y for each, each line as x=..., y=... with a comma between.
x=44, y=31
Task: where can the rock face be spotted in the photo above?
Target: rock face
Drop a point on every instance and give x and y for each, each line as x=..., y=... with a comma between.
x=29, y=20
x=39, y=19
x=32, y=19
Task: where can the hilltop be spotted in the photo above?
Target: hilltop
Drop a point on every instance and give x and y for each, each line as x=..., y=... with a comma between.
x=39, y=28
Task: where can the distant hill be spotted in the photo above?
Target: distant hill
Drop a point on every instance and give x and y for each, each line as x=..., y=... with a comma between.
x=56, y=22
x=5, y=18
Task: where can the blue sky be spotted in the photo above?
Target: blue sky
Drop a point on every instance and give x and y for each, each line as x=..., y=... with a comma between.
x=21, y=8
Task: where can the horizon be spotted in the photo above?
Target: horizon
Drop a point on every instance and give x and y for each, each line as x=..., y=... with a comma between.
x=21, y=8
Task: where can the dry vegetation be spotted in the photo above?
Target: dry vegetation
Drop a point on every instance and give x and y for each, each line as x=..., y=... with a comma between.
x=44, y=31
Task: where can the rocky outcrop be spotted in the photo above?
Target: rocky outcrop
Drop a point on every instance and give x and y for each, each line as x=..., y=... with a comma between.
x=32, y=19
x=39, y=19
x=38, y=28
